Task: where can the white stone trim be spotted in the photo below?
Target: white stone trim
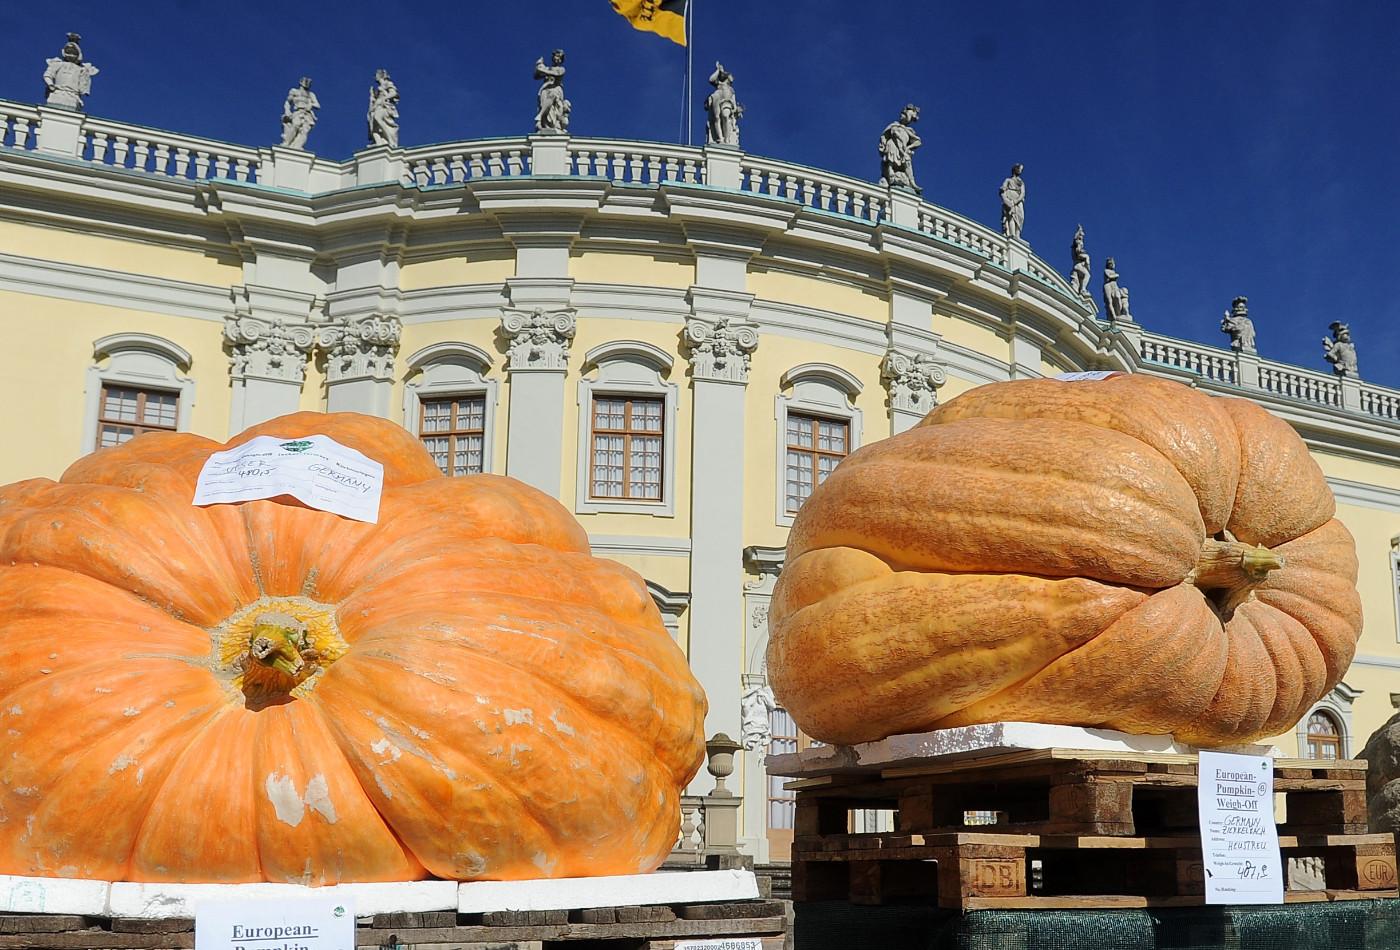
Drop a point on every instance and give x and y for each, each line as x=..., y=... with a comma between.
x=1395, y=586
x=1381, y=497
x=452, y=368
x=671, y=604
x=819, y=389
x=627, y=368
x=83, y=284
x=608, y=545
x=136, y=359
x=1338, y=703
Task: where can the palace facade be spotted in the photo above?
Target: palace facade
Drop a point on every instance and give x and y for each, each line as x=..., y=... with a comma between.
x=678, y=343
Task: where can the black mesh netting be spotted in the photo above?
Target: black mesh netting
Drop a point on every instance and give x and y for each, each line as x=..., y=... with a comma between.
x=1343, y=925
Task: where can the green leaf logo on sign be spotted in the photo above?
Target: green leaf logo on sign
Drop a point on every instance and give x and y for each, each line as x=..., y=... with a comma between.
x=300, y=445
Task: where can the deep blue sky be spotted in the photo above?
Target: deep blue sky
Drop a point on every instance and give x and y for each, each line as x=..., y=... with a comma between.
x=1214, y=148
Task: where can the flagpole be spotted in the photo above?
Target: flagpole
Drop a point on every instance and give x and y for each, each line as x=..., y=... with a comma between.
x=689, y=70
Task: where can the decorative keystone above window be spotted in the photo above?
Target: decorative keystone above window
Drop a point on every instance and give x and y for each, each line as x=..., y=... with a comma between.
x=720, y=350
x=268, y=349
x=362, y=348
x=539, y=338
x=912, y=379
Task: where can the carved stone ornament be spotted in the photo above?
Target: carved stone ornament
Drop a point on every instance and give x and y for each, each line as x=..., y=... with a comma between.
x=897, y=145
x=362, y=348
x=268, y=349
x=721, y=350
x=1237, y=324
x=755, y=705
x=383, y=115
x=912, y=380
x=723, y=110
x=539, y=338
x=1340, y=351
x=299, y=114
x=68, y=79
x=1079, y=272
x=553, y=114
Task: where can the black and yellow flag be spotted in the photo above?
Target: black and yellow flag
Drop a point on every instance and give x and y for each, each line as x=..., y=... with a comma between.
x=666, y=17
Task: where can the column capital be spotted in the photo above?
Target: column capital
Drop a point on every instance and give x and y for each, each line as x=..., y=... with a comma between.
x=539, y=338
x=912, y=379
x=720, y=350
x=361, y=347
x=271, y=349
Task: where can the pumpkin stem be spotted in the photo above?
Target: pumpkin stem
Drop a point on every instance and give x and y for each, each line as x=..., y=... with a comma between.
x=1233, y=565
x=280, y=641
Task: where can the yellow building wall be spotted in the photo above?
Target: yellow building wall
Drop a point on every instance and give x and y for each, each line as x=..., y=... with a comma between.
x=45, y=379
x=641, y=270
x=971, y=336
x=217, y=267
x=817, y=293
x=486, y=266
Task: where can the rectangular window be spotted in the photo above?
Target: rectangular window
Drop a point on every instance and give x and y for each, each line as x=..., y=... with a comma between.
x=453, y=430
x=126, y=411
x=626, y=448
x=815, y=446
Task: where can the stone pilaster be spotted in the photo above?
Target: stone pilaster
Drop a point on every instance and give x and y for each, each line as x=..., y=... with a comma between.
x=720, y=350
x=912, y=380
x=537, y=360
x=267, y=363
x=360, y=355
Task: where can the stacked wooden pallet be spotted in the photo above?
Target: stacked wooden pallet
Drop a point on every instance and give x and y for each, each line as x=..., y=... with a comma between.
x=1068, y=829
x=646, y=927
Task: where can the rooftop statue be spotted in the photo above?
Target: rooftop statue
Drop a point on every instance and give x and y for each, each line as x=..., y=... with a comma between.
x=299, y=114
x=1013, y=203
x=67, y=78
x=723, y=109
x=1236, y=322
x=1079, y=274
x=383, y=110
x=554, y=108
x=897, y=145
x=1339, y=350
x=1115, y=298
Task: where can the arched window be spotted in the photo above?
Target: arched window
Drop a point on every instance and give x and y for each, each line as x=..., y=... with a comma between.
x=818, y=426
x=450, y=403
x=627, y=430
x=1324, y=736
x=136, y=385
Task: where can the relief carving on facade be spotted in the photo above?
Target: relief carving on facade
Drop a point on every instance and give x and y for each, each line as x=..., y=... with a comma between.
x=912, y=380
x=268, y=349
x=359, y=348
x=755, y=705
x=721, y=350
x=539, y=338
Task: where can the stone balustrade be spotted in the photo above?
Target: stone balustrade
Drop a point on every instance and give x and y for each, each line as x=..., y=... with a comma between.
x=17, y=124
x=118, y=145
x=458, y=162
x=636, y=163
x=1205, y=361
x=819, y=190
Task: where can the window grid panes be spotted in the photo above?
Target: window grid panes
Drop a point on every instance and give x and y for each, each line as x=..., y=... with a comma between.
x=453, y=430
x=1324, y=737
x=815, y=446
x=127, y=411
x=782, y=804
x=627, y=442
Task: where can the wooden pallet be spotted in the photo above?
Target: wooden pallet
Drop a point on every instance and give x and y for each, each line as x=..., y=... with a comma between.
x=624, y=928
x=1062, y=792
x=970, y=871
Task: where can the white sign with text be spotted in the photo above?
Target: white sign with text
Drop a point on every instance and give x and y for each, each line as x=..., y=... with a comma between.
x=316, y=470
x=312, y=923
x=1239, y=840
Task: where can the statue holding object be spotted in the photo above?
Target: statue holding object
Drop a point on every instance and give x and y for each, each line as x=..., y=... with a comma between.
x=1079, y=274
x=897, y=145
x=1340, y=351
x=1013, y=203
x=723, y=109
x=299, y=114
x=1236, y=322
x=383, y=114
x=1115, y=298
x=553, y=114
x=67, y=78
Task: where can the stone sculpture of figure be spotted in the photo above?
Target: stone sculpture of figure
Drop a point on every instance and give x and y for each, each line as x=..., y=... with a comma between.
x=1340, y=351
x=1236, y=322
x=897, y=145
x=1013, y=203
x=755, y=726
x=67, y=78
x=723, y=109
x=1115, y=298
x=383, y=110
x=554, y=108
x=1079, y=275
x=299, y=114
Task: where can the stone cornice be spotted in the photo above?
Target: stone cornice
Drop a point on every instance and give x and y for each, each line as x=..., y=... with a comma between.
x=28, y=275
x=1366, y=496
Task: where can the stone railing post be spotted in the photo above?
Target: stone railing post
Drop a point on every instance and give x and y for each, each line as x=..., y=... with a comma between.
x=904, y=208
x=723, y=167
x=549, y=153
x=379, y=164
x=1351, y=393
x=60, y=132
x=1247, y=370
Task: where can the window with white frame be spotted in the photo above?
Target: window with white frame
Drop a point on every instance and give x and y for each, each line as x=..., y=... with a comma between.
x=627, y=430
x=450, y=404
x=135, y=385
x=818, y=426
x=1325, y=732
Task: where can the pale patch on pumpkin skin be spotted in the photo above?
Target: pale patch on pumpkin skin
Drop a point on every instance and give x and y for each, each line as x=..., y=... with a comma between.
x=282, y=792
x=387, y=750
x=16, y=710
x=562, y=726
x=515, y=717
x=130, y=711
x=318, y=798
x=120, y=764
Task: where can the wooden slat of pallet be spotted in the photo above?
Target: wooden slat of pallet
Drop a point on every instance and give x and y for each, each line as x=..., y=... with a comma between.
x=827, y=847
x=1117, y=902
x=753, y=926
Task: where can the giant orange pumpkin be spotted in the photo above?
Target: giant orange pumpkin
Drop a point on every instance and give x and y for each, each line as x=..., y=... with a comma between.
x=1123, y=552
x=264, y=691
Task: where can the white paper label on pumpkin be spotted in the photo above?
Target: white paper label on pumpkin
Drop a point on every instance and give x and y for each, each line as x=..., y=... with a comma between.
x=316, y=470
x=312, y=923
x=1096, y=374
x=721, y=943
x=1239, y=841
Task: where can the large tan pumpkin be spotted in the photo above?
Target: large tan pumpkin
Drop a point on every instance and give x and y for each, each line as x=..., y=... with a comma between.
x=268, y=692
x=1123, y=552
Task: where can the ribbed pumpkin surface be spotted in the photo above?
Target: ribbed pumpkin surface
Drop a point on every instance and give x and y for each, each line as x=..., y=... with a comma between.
x=1088, y=552
x=489, y=701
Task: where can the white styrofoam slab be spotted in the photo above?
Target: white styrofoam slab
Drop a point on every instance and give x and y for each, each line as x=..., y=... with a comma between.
x=160, y=901
x=981, y=740
x=571, y=893
x=52, y=895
